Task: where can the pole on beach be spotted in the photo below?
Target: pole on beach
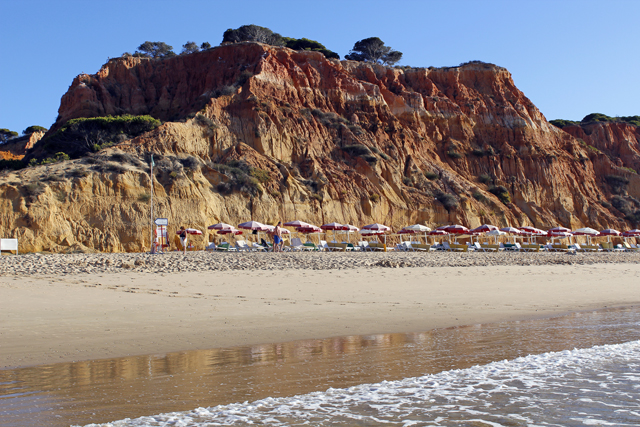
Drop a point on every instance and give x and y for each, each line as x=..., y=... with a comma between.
x=151, y=213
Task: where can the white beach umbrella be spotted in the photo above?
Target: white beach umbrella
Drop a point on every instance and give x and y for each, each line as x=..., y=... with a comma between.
x=419, y=228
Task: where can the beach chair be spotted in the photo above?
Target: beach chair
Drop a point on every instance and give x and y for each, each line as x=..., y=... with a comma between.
x=404, y=247
x=210, y=247
x=420, y=247
x=591, y=248
x=453, y=247
x=364, y=246
x=335, y=246
x=296, y=245
x=9, y=245
x=514, y=247
x=490, y=248
x=530, y=247
x=225, y=247
x=558, y=247
x=241, y=245
x=323, y=246
x=376, y=246
x=628, y=248
x=258, y=247
x=310, y=246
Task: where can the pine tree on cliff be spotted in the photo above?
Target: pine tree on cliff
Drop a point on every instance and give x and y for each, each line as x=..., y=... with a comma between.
x=189, y=47
x=6, y=134
x=252, y=33
x=373, y=50
x=155, y=50
x=32, y=129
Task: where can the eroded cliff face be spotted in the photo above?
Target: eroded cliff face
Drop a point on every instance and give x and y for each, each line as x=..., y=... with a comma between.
x=15, y=149
x=333, y=141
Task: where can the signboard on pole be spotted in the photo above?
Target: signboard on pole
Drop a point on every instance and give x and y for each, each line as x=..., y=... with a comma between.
x=162, y=221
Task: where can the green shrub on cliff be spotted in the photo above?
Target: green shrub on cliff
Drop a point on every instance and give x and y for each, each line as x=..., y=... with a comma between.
x=252, y=33
x=80, y=136
x=597, y=118
x=501, y=193
x=560, y=123
x=311, y=45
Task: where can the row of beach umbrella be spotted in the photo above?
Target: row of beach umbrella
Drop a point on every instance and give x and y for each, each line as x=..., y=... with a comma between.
x=458, y=230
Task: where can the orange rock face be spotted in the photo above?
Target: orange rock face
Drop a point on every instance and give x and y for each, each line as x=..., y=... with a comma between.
x=355, y=142
x=16, y=148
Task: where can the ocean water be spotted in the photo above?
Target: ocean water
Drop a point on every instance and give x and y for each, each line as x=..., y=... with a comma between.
x=575, y=370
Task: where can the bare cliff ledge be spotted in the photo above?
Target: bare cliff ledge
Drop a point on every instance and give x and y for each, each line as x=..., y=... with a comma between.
x=258, y=132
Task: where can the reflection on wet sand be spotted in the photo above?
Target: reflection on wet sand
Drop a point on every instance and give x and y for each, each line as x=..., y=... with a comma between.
x=107, y=390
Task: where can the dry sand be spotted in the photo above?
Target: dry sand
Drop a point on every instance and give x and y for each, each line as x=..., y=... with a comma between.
x=60, y=308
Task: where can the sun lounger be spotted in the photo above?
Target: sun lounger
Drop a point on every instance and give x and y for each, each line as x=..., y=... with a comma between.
x=453, y=247
x=335, y=246
x=530, y=247
x=558, y=247
x=224, y=246
x=404, y=247
x=590, y=248
x=421, y=247
x=375, y=246
x=628, y=248
x=296, y=245
x=490, y=248
x=210, y=247
x=9, y=245
x=259, y=247
x=364, y=246
x=241, y=245
x=323, y=246
x=311, y=246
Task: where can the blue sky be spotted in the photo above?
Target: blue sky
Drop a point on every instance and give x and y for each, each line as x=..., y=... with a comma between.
x=571, y=58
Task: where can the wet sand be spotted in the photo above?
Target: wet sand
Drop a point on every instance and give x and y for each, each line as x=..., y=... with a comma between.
x=51, y=315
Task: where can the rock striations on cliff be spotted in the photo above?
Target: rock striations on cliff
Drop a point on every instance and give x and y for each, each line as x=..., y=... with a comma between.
x=252, y=131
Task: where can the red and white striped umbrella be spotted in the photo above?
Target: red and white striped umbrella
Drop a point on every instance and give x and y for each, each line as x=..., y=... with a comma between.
x=334, y=226
x=635, y=232
x=309, y=229
x=559, y=230
x=457, y=229
x=418, y=228
x=253, y=225
x=376, y=227
x=271, y=228
x=190, y=231
x=532, y=231
x=438, y=232
x=560, y=234
x=407, y=231
x=511, y=230
x=296, y=224
x=220, y=226
x=484, y=228
x=609, y=232
x=231, y=230
x=351, y=228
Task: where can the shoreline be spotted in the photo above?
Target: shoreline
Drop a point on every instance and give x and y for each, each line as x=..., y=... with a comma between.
x=57, y=315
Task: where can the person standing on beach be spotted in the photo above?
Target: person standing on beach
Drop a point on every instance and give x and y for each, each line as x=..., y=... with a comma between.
x=183, y=238
x=277, y=238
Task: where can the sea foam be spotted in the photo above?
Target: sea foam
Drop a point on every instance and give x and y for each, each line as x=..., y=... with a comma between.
x=593, y=386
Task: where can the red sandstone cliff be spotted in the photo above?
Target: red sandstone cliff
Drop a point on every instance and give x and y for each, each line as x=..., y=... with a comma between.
x=305, y=120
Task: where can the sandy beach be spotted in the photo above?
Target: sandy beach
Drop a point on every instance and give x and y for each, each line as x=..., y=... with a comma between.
x=60, y=308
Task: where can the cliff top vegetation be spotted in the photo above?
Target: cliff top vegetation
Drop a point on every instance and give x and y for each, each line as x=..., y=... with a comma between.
x=597, y=118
